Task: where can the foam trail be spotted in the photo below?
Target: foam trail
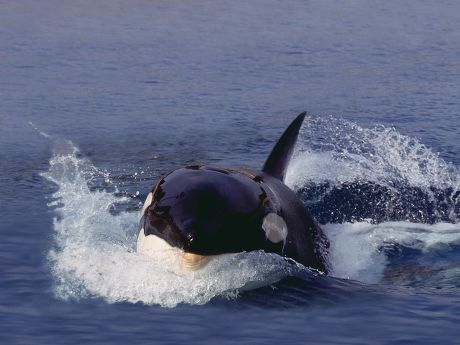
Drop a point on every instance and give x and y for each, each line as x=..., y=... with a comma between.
x=95, y=250
x=358, y=249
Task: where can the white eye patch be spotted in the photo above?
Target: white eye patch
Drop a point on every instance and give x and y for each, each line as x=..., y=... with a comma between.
x=275, y=228
x=152, y=245
x=147, y=202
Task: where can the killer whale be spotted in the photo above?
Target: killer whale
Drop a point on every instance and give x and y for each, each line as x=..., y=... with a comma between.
x=201, y=211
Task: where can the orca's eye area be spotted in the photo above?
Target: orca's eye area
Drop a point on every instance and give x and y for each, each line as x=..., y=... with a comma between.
x=158, y=219
x=159, y=224
x=160, y=211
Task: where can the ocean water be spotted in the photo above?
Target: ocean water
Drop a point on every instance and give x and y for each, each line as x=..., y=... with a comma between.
x=99, y=99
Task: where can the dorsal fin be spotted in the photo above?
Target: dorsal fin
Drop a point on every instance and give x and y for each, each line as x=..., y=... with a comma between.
x=280, y=156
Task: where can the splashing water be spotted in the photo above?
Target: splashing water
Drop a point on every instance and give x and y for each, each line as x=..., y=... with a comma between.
x=380, y=195
x=389, y=206
x=348, y=173
x=374, y=252
x=95, y=250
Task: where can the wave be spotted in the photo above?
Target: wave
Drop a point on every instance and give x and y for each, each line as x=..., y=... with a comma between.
x=345, y=173
x=402, y=253
x=386, y=202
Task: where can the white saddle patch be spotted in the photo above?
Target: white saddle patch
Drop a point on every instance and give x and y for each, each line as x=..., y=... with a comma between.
x=275, y=228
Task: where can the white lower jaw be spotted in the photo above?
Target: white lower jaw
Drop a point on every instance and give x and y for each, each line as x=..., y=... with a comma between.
x=154, y=246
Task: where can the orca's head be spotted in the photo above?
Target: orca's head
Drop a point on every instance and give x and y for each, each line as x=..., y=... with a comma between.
x=209, y=211
x=202, y=211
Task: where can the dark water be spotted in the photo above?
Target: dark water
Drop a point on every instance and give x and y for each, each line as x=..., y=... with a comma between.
x=123, y=92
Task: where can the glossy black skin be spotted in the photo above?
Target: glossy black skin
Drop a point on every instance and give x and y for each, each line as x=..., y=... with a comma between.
x=207, y=210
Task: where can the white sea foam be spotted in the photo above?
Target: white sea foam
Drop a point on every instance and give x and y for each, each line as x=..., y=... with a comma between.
x=335, y=151
x=95, y=250
x=357, y=249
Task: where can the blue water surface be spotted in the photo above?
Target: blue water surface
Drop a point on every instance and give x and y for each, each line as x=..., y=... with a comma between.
x=143, y=87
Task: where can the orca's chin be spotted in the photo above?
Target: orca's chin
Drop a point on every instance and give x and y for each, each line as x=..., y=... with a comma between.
x=154, y=246
x=193, y=262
